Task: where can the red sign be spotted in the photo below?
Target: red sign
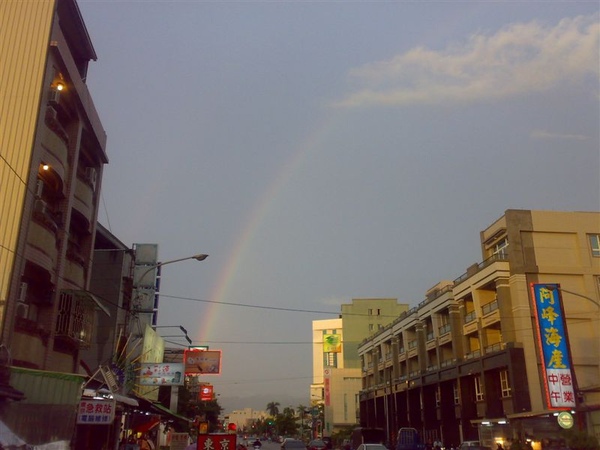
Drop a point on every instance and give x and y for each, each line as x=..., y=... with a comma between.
x=216, y=442
x=206, y=392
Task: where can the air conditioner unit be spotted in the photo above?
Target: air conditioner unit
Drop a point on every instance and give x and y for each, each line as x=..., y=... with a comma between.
x=54, y=97
x=91, y=175
x=22, y=292
x=22, y=310
x=39, y=206
x=39, y=188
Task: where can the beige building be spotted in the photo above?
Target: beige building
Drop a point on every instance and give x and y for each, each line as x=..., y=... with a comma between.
x=53, y=153
x=336, y=366
x=469, y=363
x=244, y=418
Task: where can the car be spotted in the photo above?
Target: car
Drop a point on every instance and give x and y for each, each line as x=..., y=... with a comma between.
x=473, y=445
x=317, y=444
x=294, y=444
x=372, y=447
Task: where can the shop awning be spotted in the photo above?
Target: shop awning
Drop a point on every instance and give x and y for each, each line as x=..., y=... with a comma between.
x=157, y=408
x=147, y=426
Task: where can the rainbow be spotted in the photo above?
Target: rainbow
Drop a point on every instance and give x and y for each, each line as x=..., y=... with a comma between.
x=253, y=223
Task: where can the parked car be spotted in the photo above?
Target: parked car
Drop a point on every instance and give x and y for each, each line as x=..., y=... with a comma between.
x=293, y=444
x=372, y=447
x=317, y=444
x=473, y=445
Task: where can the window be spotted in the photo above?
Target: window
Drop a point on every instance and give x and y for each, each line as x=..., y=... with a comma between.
x=501, y=247
x=438, y=397
x=456, y=393
x=478, y=389
x=371, y=327
x=504, y=384
x=76, y=317
x=374, y=312
x=595, y=245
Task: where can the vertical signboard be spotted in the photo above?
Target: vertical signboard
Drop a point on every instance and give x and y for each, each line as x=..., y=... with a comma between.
x=559, y=377
x=327, y=386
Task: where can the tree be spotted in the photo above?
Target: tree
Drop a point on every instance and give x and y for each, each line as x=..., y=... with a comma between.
x=273, y=408
x=190, y=406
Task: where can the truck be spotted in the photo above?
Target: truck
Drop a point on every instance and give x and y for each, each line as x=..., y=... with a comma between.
x=364, y=435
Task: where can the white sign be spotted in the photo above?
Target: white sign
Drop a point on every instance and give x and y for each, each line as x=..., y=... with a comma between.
x=161, y=374
x=96, y=412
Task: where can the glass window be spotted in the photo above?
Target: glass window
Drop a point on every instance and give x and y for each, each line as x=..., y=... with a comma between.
x=504, y=384
x=595, y=245
x=478, y=389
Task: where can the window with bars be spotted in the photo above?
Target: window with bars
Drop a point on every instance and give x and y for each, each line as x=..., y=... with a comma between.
x=75, y=317
x=505, y=384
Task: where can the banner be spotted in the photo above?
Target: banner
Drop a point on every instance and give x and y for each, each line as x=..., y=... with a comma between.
x=162, y=374
x=332, y=343
x=202, y=362
x=559, y=380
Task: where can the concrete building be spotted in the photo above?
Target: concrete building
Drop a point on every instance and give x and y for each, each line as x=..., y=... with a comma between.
x=244, y=418
x=53, y=153
x=336, y=364
x=469, y=362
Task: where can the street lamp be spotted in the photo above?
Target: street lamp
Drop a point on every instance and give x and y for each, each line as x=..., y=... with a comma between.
x=198, y=257
x=552, y=287
x=184, y=331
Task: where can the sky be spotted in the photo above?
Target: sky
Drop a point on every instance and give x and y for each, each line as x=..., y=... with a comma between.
x=323, y=151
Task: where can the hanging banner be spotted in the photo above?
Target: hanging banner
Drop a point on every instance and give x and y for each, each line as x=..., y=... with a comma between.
x=559, y=379
x=202, y=362
x=96, y=412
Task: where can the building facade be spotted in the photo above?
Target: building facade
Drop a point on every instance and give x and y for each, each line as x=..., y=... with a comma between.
x=466, y=362
x=336, y=364
x=53, y=153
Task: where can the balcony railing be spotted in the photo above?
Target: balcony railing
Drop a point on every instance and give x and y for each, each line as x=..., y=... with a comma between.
x=492, y=259
x=489, y=307
x=470, y=317
x=444, y=329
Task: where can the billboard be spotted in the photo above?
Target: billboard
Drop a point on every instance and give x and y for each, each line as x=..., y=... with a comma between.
x=161, y=374
x=559, y=378
x=153, y=348
x=332, y=343
x=202, y=362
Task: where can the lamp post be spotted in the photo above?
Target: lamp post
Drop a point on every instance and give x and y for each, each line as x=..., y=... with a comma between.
x=198, y=257
x=183, y=330
x=551, y=287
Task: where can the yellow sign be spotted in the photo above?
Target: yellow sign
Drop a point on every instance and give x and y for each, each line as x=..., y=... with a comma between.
x=565, y=420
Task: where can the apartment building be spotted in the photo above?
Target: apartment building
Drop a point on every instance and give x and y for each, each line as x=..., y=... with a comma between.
x=336, y=364
x=53, y=152
x=468, y=361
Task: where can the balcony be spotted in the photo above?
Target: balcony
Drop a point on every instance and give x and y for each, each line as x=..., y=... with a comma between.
x=503, y=256
x=42, y=240
x=83, y=200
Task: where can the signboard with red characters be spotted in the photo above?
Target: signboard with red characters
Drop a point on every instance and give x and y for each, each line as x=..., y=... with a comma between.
x=96, y=412
x=216, y=442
